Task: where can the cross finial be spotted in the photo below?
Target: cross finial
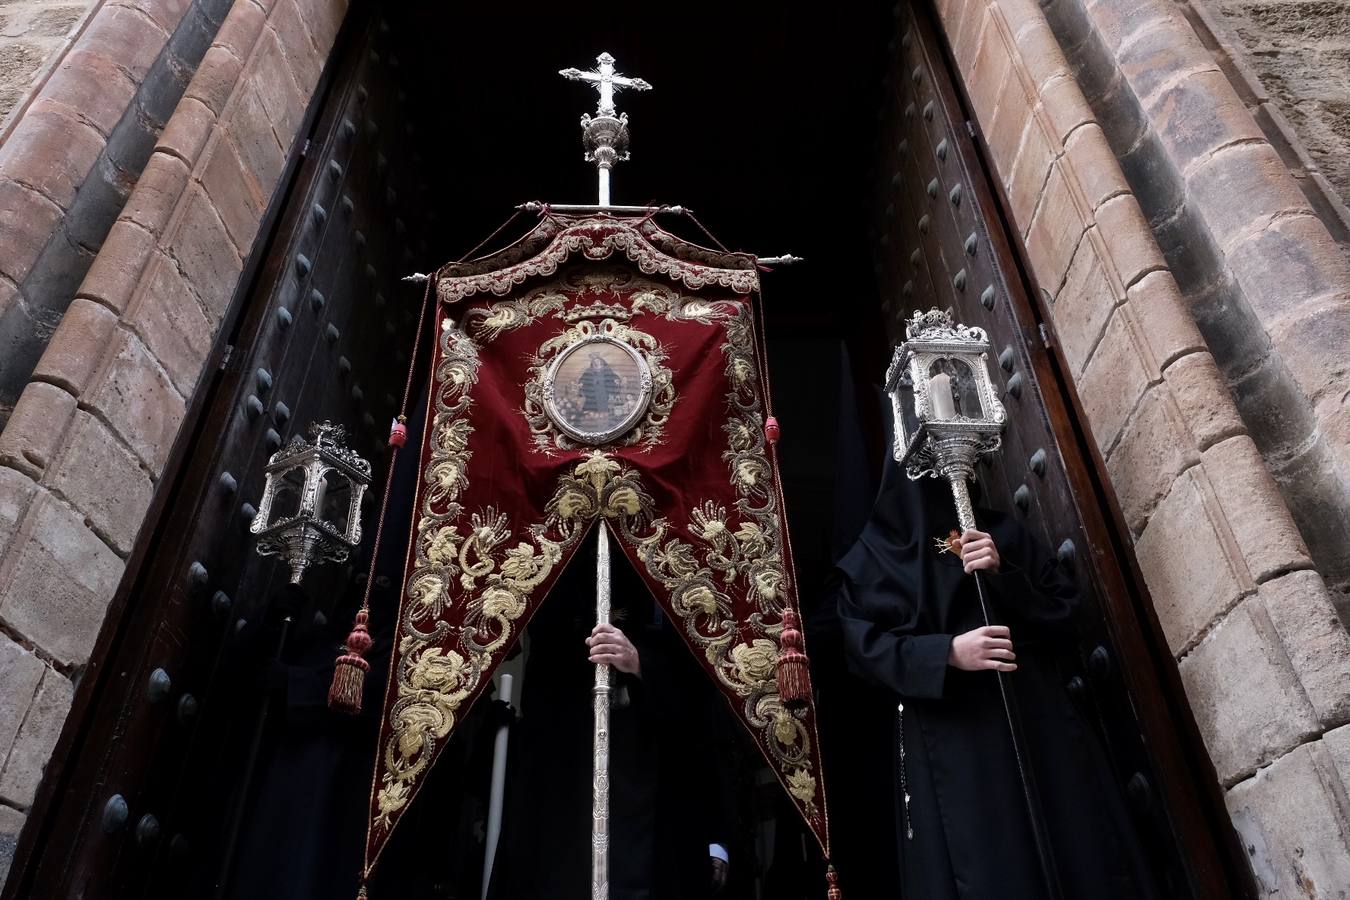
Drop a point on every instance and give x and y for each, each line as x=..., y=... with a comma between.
x=605, y=81
x=605, y=136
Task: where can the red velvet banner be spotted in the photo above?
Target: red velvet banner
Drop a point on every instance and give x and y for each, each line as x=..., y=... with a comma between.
x=591, y=326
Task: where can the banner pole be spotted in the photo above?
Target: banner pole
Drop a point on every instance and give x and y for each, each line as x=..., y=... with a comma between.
x=600, y=779
x=497, y=788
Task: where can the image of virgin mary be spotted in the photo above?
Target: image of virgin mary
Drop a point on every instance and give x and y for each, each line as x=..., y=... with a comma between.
x=600, y=387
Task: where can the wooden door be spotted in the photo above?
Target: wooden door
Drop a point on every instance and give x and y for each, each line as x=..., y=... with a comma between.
x=147, y=792
x=943, y=242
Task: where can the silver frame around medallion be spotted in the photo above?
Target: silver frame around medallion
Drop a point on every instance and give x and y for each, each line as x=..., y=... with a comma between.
x=597, y=438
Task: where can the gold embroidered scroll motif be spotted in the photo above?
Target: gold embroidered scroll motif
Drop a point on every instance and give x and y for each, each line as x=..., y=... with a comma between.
x=484, y=568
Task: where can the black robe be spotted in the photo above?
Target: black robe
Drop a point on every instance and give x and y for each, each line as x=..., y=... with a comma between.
x=668, y=779
x=900, y=604
x=305, y=825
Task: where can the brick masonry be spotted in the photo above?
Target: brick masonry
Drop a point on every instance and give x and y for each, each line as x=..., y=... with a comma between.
x=1246, y=228
x=83, y=141
x=91, y=430
x=1264, y=657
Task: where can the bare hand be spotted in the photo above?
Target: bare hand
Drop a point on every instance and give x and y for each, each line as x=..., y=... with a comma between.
x=977, y=551
x=989, y=647
x=612, y=647
x=720, y=871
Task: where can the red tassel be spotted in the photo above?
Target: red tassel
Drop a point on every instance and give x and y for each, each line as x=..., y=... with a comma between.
x=771, y=430
x=794, y=669
x=398, y=433
x=349, y=677
x=832, y=878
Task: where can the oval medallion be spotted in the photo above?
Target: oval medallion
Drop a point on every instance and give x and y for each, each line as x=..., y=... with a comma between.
x=597, y=389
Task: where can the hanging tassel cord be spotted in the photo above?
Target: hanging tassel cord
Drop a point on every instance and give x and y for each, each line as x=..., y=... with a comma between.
x=349, y=672
x=491, y=237
x=703, y=228
x=794, y=666
x=762, y=263
x=772, y=431
x=794, y=669
x=656, y=209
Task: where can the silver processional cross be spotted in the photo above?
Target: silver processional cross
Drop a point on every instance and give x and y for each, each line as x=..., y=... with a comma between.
x=605, y=135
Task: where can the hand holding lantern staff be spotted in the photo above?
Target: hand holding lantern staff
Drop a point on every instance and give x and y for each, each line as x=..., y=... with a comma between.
x=988, y=647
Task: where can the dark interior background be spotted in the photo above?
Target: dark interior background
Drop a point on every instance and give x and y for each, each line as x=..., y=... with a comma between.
x=762, y=120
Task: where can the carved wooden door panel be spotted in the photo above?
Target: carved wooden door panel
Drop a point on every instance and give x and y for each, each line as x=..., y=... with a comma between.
x=146, y=798
x=943, y=243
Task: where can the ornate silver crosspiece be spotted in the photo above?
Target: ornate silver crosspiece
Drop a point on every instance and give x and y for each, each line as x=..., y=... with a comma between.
x=605, y=135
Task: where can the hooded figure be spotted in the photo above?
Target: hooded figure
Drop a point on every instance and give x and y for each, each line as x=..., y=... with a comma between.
x=912, y=624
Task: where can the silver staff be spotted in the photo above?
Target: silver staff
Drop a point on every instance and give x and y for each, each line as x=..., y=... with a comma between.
x=600, y=778
x=497, y=787
x=605, y=137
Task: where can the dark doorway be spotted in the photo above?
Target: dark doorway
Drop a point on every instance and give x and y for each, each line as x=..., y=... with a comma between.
x=431, y=123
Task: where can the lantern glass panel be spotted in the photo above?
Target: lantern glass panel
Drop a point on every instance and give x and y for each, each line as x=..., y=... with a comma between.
x=336, y=499
x=965, y=389
x=286, y=501
x=909, y=417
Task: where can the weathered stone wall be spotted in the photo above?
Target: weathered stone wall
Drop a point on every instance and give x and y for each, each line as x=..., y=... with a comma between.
x=71, y=159
x=32, y=34
x=92, y=428
x=1259, y=267
x=1300, y=52
x=1262, y=652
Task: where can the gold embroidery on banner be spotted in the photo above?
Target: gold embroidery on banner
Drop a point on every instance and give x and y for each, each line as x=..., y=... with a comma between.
x=645, y=246
x=486, y=323
x=598, y=484
x=702, y=565
x=701, y=574
x=492, y=579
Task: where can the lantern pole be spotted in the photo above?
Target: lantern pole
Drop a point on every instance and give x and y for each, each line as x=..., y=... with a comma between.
x=965, y=516
x=497, y=786
x=947, y=445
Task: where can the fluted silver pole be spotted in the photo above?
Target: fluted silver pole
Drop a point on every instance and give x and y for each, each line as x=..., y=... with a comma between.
x=600, y=779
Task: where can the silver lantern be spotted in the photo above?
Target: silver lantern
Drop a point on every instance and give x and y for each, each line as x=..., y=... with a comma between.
x=310, y=510
x=946, y=411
